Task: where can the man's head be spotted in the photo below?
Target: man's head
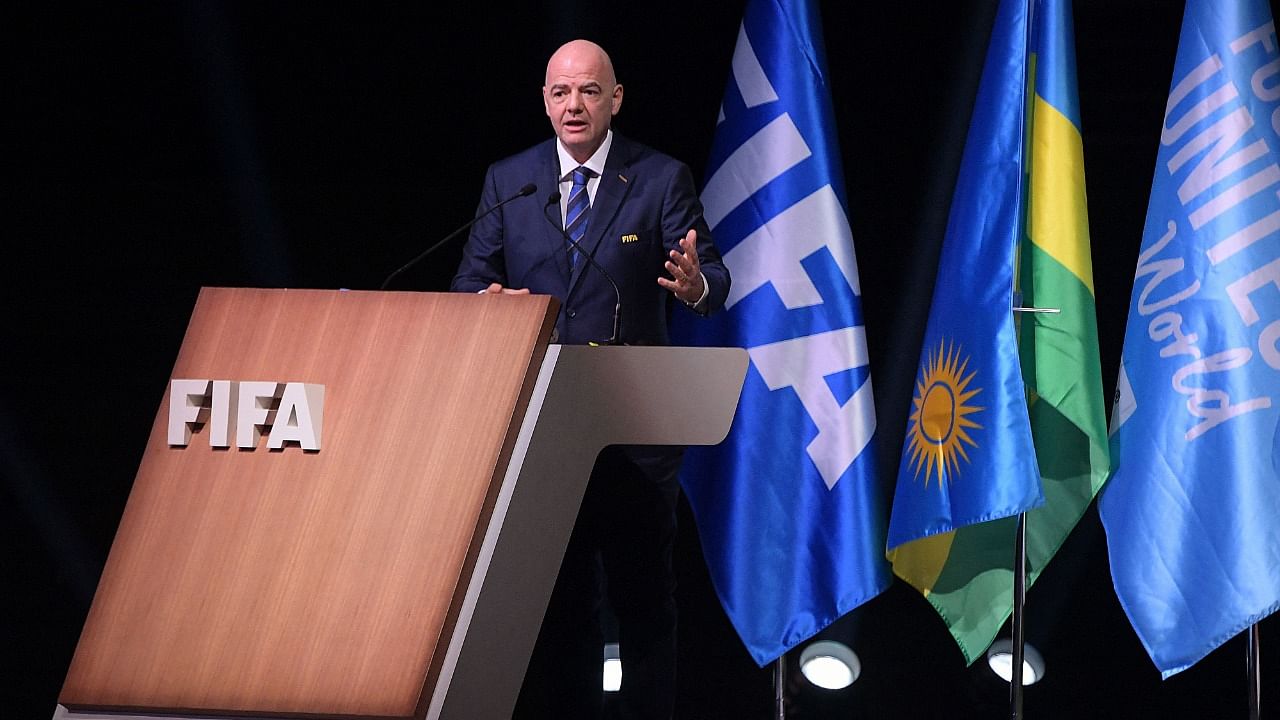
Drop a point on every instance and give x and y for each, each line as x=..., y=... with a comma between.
x=581, y=95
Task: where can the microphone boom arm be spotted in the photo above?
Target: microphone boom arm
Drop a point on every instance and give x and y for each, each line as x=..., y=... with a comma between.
x=617, y=306
x=525, y=191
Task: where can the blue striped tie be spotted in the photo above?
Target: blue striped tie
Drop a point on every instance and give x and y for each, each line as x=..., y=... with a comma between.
x=575, y=216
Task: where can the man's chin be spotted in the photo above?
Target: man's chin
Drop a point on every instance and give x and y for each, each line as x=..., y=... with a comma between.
x=580, y=142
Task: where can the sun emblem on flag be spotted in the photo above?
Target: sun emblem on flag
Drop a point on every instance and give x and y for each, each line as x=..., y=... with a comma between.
x=940, y=414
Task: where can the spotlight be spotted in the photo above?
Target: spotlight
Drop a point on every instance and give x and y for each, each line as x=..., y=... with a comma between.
x=1000, y=659
x=830, y=665
x=612, y=668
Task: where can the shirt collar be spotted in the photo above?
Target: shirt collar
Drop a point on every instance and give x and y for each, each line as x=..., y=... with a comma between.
x=595, y=163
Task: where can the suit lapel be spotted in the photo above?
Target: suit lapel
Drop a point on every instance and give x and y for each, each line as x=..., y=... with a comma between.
x=610, y=195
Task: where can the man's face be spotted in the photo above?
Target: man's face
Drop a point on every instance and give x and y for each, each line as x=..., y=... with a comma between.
x=581, y=97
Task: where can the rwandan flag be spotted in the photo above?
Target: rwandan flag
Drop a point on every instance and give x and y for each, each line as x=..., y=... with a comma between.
x=1192, y=513
x=789, y=508
x=968, y=455
x=1059, y=355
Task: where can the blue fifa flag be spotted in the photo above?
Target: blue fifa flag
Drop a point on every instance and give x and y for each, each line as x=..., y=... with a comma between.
x=1192, y=512
x=967, y=456
x=788, y=507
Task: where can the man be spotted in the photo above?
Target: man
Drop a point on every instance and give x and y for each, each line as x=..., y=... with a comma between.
x=637, y=222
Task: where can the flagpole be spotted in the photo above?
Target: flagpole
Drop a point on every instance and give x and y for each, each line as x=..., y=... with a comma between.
x=1255, y=676
x=779, y=682
x=1020, y=544
x=1020, y=585
x=1019, y=599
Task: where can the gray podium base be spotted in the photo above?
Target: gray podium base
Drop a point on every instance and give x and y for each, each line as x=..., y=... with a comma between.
x=586, y=398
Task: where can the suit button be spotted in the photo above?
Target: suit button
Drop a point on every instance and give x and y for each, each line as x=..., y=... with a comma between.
x=573, y=313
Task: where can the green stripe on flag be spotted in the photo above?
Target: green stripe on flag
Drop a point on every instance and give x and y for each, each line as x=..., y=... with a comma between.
x=973, y=593
x=971, y=583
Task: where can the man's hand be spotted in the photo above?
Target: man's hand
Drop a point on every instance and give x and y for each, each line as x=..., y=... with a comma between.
x=496, y=289
x=687, y=282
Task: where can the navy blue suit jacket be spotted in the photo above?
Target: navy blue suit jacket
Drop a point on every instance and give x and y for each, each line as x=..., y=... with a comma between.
x=644, y=205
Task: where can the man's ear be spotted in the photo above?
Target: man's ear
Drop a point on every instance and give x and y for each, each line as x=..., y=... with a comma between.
x=617, y=99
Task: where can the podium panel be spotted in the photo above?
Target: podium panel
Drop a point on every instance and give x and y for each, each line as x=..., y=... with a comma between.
x=402, y=570
x=290, y=582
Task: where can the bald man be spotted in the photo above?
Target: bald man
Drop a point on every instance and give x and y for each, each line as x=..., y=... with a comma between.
x=635, y=213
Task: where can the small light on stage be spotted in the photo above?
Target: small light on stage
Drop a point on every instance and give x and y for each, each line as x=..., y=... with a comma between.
x=612, y=668
x=1000, y=659
x=830, y=665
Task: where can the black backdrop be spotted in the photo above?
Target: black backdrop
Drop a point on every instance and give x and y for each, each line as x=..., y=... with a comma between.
x=163, y=147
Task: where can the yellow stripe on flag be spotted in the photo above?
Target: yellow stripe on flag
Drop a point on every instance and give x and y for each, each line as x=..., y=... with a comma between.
x=1059, y=217
x=920, y=562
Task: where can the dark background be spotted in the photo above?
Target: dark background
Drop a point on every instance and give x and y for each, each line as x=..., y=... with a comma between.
x=160, y=147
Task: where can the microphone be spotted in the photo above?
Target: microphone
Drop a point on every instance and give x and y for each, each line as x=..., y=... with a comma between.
x=553, y=199
x=525, y=191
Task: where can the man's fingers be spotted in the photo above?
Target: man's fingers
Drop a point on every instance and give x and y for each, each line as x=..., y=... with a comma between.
x=687, y=263
x=689, y=243
x=676, y=271
x=683, y=267
x=497, y=288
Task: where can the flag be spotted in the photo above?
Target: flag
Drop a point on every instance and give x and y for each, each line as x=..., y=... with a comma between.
x=968, y=457
x=788, y=508
x=1192, y=512
x=1058, y=352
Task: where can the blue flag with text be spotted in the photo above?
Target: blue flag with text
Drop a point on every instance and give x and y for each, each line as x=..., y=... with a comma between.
x=1192, y=512
x=968, y=456
x=788, y=507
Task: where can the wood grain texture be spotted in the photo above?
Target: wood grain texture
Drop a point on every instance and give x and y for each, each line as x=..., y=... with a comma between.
x=293, y=583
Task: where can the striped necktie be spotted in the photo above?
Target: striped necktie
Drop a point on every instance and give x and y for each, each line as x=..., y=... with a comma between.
x=575, y=216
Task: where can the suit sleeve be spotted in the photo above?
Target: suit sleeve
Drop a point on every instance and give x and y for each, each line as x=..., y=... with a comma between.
x=483, y=262
x=682, y=212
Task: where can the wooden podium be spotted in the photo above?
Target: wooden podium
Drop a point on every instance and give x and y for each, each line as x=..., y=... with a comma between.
x=402, y=570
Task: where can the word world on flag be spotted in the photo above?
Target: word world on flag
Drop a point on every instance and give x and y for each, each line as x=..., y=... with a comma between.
x=1192, y=512
x=788, y=507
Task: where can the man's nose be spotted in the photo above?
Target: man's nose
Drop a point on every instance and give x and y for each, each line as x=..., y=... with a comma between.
x=575, y=101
